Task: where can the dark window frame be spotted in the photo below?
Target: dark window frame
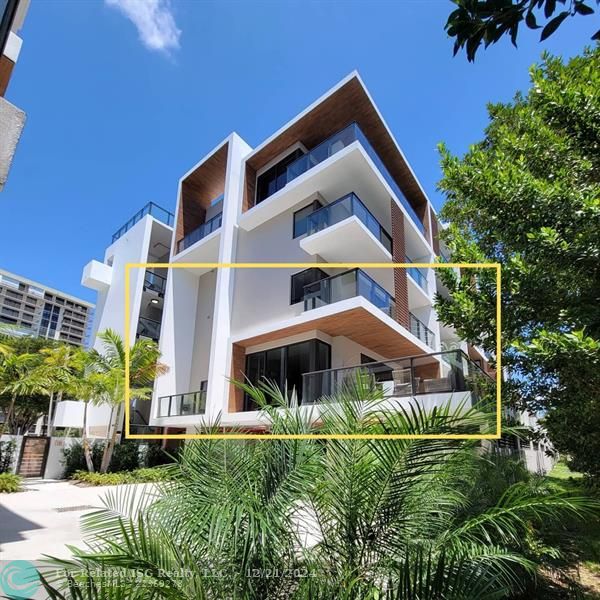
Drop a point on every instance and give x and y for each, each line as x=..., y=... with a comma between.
x=278, y=169
x=325, y=276
x=316, y=206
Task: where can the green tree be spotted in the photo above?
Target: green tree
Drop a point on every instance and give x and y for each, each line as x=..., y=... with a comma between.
x=144, y=367
x=303, y=519
x=474, y=22
x=528, y=196
x=19, y=378
x=62, y=366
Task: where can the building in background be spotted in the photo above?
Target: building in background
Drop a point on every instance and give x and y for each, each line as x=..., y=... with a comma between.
x=12, y=119
x=144, y=238
x=32, y=308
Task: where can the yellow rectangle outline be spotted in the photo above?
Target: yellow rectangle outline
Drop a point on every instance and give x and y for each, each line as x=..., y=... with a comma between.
x=304, y=436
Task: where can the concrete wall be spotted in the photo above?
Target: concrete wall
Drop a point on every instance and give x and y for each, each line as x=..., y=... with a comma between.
x=18, y=440
x=12, y=121
x=55, y=468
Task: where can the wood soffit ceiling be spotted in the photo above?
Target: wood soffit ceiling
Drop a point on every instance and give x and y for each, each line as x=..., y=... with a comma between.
x=357, y=324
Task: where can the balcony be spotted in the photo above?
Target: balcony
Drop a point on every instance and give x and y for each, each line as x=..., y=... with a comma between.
x=340, y=140
x=148, y=328
x=421, y=331
x=150, y=209
x=348, y=285
x=344, y=226
x=456, y=378
x=180, y=405
x=200, y=233
x=155, y=283
x=417, y=275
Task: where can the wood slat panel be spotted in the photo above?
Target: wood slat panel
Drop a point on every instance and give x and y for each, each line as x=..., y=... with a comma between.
x=357, y=324
x=199, y=189
x=348, y=104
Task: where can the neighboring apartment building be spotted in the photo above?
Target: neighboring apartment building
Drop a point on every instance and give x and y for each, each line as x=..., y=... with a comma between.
x=144, y=238
x=12, y=119
x=32, y=308
x=330, y=186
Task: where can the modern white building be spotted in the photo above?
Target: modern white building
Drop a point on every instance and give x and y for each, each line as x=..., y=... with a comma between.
x=144, y=238
x=332, y=185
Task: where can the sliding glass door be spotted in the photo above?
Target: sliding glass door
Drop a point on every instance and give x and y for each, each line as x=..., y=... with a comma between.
x=285, y=366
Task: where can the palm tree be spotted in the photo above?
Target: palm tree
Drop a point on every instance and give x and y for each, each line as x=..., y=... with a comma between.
x=144, y=367
x=19, y=377
x=306, y=519
x=62, y=366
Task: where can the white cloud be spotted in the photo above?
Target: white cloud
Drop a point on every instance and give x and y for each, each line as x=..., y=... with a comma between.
x=154, y=21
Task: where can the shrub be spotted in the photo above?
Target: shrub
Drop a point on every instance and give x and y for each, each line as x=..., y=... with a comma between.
x=9, y=483
x=7, y=451
x=126, y=457
x=74, y=458
x=137, y=476
x=155, y=455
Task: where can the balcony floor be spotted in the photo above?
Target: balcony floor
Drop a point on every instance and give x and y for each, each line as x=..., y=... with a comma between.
x=346, y=241
x=205, y=250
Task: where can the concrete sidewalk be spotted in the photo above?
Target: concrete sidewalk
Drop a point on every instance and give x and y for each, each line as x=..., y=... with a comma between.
x=44, y=518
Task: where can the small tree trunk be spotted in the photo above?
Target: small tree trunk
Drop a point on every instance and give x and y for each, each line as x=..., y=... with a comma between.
x=8, y=415
x=86, y=446
x=108, y=451
x=50, y=403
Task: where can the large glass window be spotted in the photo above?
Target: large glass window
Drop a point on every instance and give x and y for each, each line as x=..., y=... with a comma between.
x=273, y=179
x=299, y=280
x=285, y=366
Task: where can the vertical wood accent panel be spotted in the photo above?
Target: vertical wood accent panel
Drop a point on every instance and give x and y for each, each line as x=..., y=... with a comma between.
x=435, y=232
x=6, y=67
x=399, y=256
x=238, y=367
x=199, y=189
x=249, y=188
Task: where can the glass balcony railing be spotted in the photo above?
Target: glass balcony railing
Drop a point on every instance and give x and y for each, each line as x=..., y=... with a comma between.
x=418, y=275
x=397, y=378
x=155, y=282
x=200, y=233
x=179, y=405
x=150, y=209
x=148, y=328
x=340, y=140
x=350, y=205
x=421, y=331
x=348, y=285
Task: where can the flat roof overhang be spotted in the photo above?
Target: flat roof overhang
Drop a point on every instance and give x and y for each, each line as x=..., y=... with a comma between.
x=355, y=318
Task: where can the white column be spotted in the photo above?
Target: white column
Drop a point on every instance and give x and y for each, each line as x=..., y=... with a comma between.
x=220, y=361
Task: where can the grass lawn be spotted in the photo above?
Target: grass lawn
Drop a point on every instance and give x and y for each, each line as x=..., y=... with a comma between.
x=581, y=542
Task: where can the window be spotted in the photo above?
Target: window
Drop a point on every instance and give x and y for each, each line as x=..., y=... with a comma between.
x=365, y=360
x=273, y=179
x=286, y=365
x=300, y=217
x=299, y=280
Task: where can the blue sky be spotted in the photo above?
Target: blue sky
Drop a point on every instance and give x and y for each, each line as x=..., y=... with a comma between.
x=114, y=122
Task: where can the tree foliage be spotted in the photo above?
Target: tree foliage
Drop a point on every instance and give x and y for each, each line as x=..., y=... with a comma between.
x=302, y=519
x=528, y=196
x=477, y=22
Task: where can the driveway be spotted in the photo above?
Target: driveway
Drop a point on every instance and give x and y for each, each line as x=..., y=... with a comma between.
x=44, y=518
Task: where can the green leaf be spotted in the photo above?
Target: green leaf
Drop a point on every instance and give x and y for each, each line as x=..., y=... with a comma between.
x=553, y=25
